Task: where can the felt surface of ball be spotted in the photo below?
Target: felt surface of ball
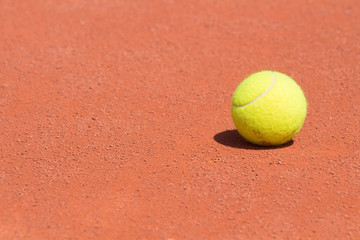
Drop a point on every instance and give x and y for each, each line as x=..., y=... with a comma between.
x=268, y=108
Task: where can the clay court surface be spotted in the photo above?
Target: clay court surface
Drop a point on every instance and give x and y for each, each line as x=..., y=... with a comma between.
x=115, y=120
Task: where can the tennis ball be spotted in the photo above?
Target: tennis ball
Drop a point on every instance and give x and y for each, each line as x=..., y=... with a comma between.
x=268, y=108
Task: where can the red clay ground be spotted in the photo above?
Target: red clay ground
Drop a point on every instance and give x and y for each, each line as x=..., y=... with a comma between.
x=115, y=120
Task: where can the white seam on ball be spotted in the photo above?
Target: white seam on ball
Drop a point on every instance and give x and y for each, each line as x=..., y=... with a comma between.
x=267, y=90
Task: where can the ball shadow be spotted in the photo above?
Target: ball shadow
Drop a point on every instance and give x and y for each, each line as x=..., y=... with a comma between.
x=232, y=138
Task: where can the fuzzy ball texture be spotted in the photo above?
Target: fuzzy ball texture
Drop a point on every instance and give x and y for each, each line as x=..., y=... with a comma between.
x=268, y=108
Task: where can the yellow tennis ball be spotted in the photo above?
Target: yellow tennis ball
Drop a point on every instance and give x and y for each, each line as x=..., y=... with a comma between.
x=268, y=108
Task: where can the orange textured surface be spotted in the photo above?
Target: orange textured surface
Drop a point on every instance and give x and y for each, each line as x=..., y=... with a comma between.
x=115, y=120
